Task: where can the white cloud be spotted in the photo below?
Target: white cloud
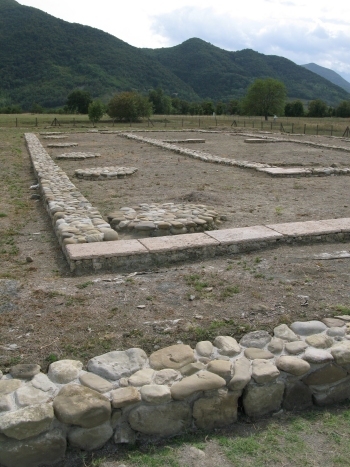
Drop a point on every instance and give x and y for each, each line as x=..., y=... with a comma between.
x=301, y=40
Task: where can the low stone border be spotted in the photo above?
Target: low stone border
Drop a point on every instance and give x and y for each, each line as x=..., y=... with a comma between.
x=105, y=173
x=74, y=219
x=191, y=141
x=264, y=168
x=62, y=145
x=55, y=137
x=127, y=396
x=164, y=219
x=153, y=252
x=76, y=156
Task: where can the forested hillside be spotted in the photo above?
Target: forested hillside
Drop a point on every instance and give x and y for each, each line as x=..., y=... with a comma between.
x=42, y=59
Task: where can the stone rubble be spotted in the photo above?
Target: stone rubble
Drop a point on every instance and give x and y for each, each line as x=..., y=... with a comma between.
x=126, y=396
x=104, y=173
x=164, y=219
x=74, y=219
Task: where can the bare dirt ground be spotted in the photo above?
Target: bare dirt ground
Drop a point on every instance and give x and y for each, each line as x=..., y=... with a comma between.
x=47, y=314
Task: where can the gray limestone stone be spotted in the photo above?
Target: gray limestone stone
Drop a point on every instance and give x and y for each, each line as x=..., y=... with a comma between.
x=174, y=357
x=29, y=395
x=262, y=400
x=264, y=371
x=122, y=397
x=295, y=347
x=215, y=412
x=227, y=345
x=307, y=328
x=42, y=382
x=24, y=371
x=166, y=376
x=95, y=382
x=340, y=352
x=64, y=371
x=204, y=348
x=320, y=341
x=78, y=405
x=27, y=422
x=241, y=374
x=117, y=364
x=124, y=434
x=333, y=322
x=297, y=396
x=9, y=385
x=45, y=449
x=257, y=339
x=155, y=394
x=254, y=353
x=336, y=331
x=90, y=439
x=275, y=345
x=312, y=355
x=192, y=368
x=326, y=375
x=293, y=365
x=161, y=420
x=6, y=403
x=222, y=368
x=334, y=394
x=201, y=381
x=284, y=332
x=142, y=377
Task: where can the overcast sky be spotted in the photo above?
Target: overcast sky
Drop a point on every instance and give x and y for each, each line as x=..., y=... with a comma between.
x=301, y=30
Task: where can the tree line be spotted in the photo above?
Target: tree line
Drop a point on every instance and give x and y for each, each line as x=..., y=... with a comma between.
x=264, y=97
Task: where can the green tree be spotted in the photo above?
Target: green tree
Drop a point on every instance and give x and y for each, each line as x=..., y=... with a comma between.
x=207, y=107
x=129, y=106
x=161, y=103
x=220, y=108
x=79, y=101
x=317, y=108
x=294, y=109
x=265, y=97
x=234, y=107
x=96, y=110
x=343, y=109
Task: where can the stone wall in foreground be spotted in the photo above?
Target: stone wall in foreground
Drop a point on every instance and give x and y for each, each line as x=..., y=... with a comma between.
x=125, y=396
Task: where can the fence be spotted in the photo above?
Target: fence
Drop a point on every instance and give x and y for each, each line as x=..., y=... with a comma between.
x=306, y=126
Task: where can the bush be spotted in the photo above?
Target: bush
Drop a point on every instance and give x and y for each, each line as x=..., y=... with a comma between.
x=96, y=110
x=129, y=106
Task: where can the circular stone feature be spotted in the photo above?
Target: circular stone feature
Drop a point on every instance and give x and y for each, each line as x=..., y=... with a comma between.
x=104, y=173
x=156, y=220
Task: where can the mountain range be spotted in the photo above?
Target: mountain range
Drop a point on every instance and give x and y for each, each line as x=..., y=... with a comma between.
x=43, y=58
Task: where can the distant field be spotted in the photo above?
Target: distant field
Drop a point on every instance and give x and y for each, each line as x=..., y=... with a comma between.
x=322, y=126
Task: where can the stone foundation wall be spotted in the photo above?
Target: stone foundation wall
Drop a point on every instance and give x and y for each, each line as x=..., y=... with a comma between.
x=125, y=396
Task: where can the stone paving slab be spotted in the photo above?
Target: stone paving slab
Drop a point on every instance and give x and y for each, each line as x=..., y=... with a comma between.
x=104, y=249
x=279, y=171
x=299, y=229
x=179, y=242
x=342, y=224
x=245, y=234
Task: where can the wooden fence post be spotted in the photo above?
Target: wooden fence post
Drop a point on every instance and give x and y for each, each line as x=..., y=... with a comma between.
x=317, y=129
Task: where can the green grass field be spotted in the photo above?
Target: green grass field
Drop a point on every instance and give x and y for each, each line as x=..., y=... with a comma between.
x=310, y=126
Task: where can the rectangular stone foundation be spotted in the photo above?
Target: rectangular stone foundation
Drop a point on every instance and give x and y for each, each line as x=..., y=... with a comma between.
x=145, y=253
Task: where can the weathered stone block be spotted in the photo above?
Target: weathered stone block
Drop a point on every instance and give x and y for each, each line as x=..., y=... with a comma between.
x=45, y=449
x=162, y=420
x=174, y=357
x=215, y=412
x=78, y=405
x=261, y=400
